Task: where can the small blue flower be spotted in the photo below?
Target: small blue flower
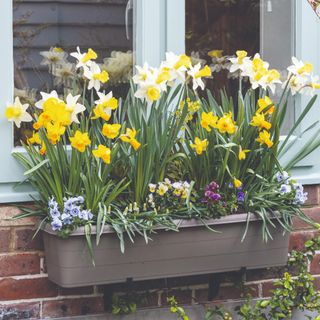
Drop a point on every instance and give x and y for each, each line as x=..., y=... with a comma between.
x=298, y=186
x=52, y=203
x=282, y=177
x=300, y=197
x=56, y=224
x=80, y=199
x=55, y=213
x=85, y=215
x=68, y=204
x=240, y=196
x=285, y=188
x=75, y=211
x=66, y=218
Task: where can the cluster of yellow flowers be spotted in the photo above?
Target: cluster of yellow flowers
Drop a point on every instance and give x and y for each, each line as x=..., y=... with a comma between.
x=193, y=107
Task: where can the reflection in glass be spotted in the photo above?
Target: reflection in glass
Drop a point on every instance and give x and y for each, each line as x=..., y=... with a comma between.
x=45, y=32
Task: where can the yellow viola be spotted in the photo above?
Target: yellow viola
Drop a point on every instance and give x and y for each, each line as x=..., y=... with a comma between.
x=129, y=137
x=258, y=120
x=111, y=131
x=208, y=120
x=199, y=145
x=264, y=138
x=103, y=152
x=237, y=183
x=226, y=124
x=80, y=141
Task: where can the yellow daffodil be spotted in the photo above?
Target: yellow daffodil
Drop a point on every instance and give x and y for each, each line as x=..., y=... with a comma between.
x=150, y=92
x=237, y=183
x=208, y=120
x=95, y=76
x=129, y=137
x=265, y=103
x=258, y=120
x=199, y=145
x=84, y=58
x=238, y=62
x=103, y=152
x=215, y=53
x=17, y=112
x=163, y=76
x=100, y=112
x=111, y=131
x=242, y=153
x=264, y=138
x=89, y=55
x=153, y=93
x=80, y=141
x=197, y=74
x=184, y=61
x=54, y=132
x=226, y=124
x=43, y=149
x=35, y=139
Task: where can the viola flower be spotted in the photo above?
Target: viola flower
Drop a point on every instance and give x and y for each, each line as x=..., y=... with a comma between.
x=80, y=141
x=240, y=196
x=56, y=224
x=285, y=188
x=199, y=145
x=208, y=120
x=111, y=131
x=74, y=107
x=54, y=213
x=162, y=189
x=66, y=219
x=17, y=112
x=264, y=138
x=237, y=183
x=95, y=76
x=84, y=59
x=283, y=176
x=103, y=152
x=129, y=137
x=152, y=187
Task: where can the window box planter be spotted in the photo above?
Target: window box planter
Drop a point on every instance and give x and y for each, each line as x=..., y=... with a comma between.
x=192, y=250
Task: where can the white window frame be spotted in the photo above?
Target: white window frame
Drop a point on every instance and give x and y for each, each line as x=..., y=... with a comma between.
x=159, y=27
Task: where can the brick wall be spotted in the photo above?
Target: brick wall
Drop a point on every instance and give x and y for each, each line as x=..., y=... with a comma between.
x=26, y=292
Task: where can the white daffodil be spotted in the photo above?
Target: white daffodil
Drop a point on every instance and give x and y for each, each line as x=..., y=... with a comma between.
x=45, y=96
x=143, y=74
x=177, y=64
x=53, y=56
x=74, y=107
x=240, y=62
x=95, y=76
x=17, y=112
x=300, y=68
x=149, y=91
x=107, y=100
x=197, y=74
x=85, y=58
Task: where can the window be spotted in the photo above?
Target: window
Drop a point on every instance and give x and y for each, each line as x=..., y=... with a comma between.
x=159, y=26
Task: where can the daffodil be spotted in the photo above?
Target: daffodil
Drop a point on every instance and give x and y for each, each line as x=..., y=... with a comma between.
x=54, y=132
x=242, y=153
x=264, y=138
x=237, y=183
x=208, y=120
x=103, y=152
x=111, y=131
x=177, y=64
x=265, y=103
x=34, y=139
x=104, y=106
x=240, y=61
x=45, y=96
x=258, y=120
x=199, y=145
x=150, y=92
x=17, y=112
x=197, y=74
x=84, y=59
x=130, y=137
x=215, y=53
x=300, y=68
x=95, y=76
x=80, y=141
x=53, y=57
x=143, y=73
x=74, y=107
x=226, y=124
x=57, y=112
x=43, y=149
x=63, y=72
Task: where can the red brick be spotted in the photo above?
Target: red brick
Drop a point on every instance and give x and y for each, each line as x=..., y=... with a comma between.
x=313, y=194
x=24, y=240
x=315, y=265
x=7, y=213
x=20, y=311
x=298, y=239
x=72, y=307
x=264, y=274
x=75, y=291
x=19, y=264
x=266, y=288
x=5, y=236
x=12, y=289
x=227, y=293
x=313, y=213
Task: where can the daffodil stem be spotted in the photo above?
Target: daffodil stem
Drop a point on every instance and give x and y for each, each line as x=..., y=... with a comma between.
x=225, y=163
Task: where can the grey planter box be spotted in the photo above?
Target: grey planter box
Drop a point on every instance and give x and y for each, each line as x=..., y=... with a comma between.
x=193, y=250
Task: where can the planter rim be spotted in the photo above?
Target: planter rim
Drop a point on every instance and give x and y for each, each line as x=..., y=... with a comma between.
x=181, y=223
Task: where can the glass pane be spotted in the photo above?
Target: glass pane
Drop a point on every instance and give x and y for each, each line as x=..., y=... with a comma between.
x=46, y=25
x=215, y=29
